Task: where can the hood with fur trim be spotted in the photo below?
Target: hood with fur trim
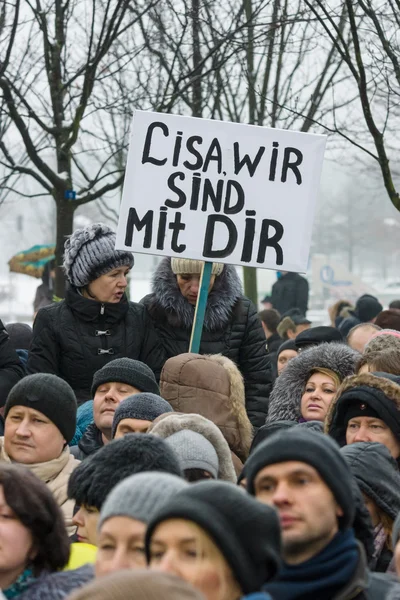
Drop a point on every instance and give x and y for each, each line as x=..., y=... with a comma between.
x=168, y=424
x=333, y=422
x=285, y=399
x=212, y=386
x=166, y=301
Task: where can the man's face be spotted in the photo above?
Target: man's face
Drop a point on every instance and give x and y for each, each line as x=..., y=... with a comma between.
x=107, y=398
x=371, y=429
x=360, y=337
x=30, y=437
x=307, y=508
x=126, y=426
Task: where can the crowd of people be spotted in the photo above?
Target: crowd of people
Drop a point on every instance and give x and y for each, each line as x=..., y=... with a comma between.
x=264, y=467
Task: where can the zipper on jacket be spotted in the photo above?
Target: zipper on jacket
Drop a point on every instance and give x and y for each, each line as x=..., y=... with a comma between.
x=102, y=309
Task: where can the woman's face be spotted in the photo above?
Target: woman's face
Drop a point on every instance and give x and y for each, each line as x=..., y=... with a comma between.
x=16, y=544
x=120, y=545
x=189, y=285
x=86, y=519
x=284, y=358
x=319, y=392
x=109, y=287
x=372, y=509
x=175, y=548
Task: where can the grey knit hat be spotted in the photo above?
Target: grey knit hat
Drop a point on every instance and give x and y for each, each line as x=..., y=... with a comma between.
x=194, y=451
x=51, y=396
x=145, y=406
x=90, y=253
x=129, y=371
x=140, y=496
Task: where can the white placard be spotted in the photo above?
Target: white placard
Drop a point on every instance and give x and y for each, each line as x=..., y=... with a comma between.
x=220, y=191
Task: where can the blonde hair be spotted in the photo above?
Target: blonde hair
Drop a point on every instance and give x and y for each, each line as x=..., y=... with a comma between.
x=334, y=376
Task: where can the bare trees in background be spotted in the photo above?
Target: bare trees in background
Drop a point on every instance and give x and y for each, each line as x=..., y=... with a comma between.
x=71, y=74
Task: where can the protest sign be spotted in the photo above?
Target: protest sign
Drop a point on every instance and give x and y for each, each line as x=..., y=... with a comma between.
x=220, y=191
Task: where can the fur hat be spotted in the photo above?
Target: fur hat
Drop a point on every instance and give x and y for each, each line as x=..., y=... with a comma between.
x=380, y=394
x=90, y=253
x=166, y=425
x=246, y=531
x=186, y=266
x=213, y=387
x=389, y=319
x=386, y=339
x=138, y=584
x=95, y=477
x=285, y=399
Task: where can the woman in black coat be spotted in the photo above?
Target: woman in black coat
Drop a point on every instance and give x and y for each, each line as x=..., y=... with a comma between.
x=232, y=326
x=95, y=323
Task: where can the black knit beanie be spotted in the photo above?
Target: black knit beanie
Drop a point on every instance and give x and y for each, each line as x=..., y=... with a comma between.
x=129, y=371
x=246, y=531
x=314, y=449
x=92, y=481
x=51, y=396
x=145, y=406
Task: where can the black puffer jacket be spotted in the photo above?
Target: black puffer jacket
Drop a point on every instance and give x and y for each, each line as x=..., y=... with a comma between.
x=290, y=291
x=231, y=327
x=78, y=336
x=90, y=442
x=11, y=369
x=378, y=477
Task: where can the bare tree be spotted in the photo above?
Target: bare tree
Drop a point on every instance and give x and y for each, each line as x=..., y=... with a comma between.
x=52, y=106
x=370, y=51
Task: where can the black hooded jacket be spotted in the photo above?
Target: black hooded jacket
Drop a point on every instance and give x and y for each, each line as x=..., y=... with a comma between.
x=76, y=337
x=11, y=369
x=378, y=477
x=232, y=327
x=90, y=442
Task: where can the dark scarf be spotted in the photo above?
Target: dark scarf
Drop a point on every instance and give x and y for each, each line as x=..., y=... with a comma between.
x=323, y=576
x=20, y=585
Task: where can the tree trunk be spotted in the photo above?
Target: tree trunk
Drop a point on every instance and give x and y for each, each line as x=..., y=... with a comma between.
x=64, y=223
x=250, y=284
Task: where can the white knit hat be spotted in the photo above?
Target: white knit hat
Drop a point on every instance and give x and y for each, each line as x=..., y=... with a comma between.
x=181, y=266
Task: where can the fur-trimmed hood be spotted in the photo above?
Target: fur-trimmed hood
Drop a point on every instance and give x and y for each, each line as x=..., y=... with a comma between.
x=212, y=386
x=285, y=399
x=166, y=301
x=168, y=424
x=334, y=422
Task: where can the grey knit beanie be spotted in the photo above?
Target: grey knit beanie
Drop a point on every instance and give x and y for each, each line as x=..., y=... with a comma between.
x=140, y=496
x=129, y=371
x=90, y=253
x=145, y=406
x=194, y=451
x=49, y=395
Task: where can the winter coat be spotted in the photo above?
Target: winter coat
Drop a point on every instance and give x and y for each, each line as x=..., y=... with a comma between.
x=11, y=368
x=55, y=474
x=168, y=424
x=370, y=586
x=273, y=343
x=232, y=327
x=57, y=586
x=90, y=442
x=285, y=399
x=290, y=291
x=334, y=423
x=378, y=477
x=76, y=337
x=211, y=386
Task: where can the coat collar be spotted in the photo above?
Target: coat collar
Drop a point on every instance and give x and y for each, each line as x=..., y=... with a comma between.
x=91, y=310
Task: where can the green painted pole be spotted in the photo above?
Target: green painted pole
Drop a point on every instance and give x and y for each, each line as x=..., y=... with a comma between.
x=201, y=306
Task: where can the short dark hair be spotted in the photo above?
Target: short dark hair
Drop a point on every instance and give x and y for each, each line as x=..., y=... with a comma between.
x=34, y=505
x=271, y=318
x=394, y=304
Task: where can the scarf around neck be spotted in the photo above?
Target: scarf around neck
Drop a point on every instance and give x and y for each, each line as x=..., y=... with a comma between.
x=20, y=585
x=323, y=575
